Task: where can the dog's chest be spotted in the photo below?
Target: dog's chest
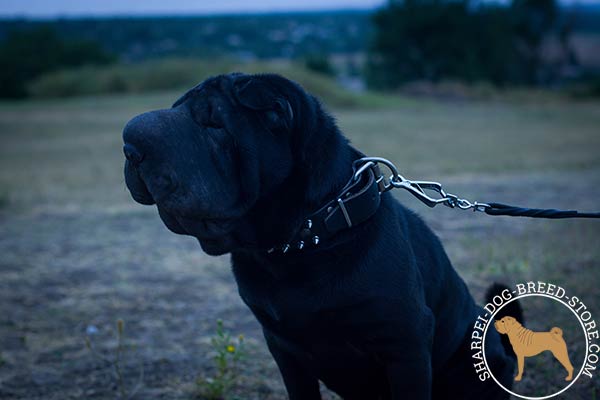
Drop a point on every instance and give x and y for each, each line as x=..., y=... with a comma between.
x=280, y=304
x=286, y=310
x=303, y=313
x=305, y=326
x=314, y=333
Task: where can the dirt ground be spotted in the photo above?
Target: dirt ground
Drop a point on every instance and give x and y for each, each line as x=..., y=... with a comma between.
x=76, y=254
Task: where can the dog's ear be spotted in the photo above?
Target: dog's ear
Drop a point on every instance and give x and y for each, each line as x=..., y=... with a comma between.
x=256, y=94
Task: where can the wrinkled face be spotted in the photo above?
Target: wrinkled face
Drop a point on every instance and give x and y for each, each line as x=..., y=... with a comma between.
x=505, y=325
x=207, y=160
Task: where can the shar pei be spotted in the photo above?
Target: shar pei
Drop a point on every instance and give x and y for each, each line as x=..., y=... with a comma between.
x=527, y=343
x=350, y=287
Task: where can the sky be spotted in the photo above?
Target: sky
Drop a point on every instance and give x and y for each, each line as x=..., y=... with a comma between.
x=56, y=8
x=74, y=8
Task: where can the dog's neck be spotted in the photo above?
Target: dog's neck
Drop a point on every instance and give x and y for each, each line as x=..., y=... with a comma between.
x=322, y=167
x=323, y=159
x=519, y=330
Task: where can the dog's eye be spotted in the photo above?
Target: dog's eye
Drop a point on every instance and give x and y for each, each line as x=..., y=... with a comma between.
x=213, y=120
x=207, y=115
x=214, y=125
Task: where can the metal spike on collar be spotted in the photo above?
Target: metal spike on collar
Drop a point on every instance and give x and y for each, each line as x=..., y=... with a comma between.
x=285, y=248
x=300, y=245
x=315, y=240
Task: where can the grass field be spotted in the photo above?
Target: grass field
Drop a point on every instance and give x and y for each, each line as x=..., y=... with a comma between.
x=78, y=254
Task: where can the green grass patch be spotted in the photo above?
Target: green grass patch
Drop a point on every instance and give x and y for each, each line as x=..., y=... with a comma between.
x=179, y=74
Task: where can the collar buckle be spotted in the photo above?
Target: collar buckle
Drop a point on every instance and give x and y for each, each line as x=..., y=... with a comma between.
x=356, y=203
x=344, y=212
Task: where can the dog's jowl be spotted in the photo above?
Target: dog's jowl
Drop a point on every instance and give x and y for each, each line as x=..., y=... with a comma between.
x=374, y=308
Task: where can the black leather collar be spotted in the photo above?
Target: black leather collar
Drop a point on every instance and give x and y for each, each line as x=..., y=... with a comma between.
x=356, y=203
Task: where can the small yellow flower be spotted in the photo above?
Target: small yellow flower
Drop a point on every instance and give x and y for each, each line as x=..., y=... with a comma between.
x=241, y=337
x=230, y=348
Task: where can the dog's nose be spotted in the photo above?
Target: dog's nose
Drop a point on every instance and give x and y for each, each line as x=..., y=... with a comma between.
x=132, y=154
x=140, y=133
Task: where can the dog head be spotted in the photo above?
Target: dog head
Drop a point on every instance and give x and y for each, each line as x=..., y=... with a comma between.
x=222, y=147
x=506, y=324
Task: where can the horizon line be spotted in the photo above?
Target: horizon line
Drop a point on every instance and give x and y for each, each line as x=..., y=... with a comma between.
x=179, y=14
x=192, y=14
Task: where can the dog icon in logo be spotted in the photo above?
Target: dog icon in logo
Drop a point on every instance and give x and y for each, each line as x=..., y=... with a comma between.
x=526, y=343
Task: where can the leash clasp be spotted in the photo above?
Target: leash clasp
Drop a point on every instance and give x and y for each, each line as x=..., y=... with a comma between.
x=416, y=188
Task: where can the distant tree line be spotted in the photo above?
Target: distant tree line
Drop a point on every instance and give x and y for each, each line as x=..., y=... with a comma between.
x=406, y=40
x=249, y=37
x=25, y=55
x=459, y=39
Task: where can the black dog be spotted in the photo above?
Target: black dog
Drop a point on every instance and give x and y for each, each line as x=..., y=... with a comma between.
x=371, y=307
